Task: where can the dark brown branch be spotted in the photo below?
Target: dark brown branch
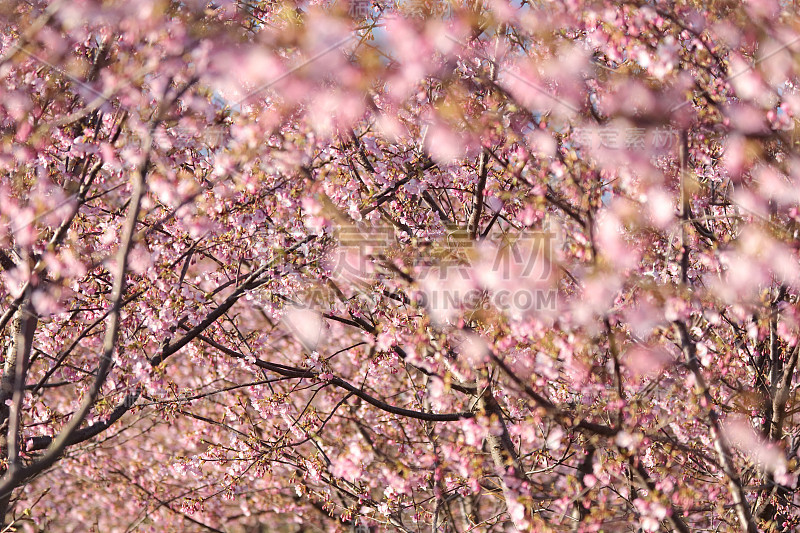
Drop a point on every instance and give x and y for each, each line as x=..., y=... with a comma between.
x=721, y=444
x=24, y=342
x=5, y=261
x=551, y=409
x=477, y=204
x=676, y=521
x=14, y=476
x=342, y=384
x=89, y=432
x=253, y=281
x=166, y=504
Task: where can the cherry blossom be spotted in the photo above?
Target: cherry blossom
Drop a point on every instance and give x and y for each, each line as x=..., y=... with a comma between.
x=422, y=265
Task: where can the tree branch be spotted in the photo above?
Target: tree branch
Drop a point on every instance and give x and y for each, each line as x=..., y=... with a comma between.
x=338, y=382
x=14, y=476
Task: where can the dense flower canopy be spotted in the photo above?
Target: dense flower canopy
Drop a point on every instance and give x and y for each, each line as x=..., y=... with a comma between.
x=411, y=266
